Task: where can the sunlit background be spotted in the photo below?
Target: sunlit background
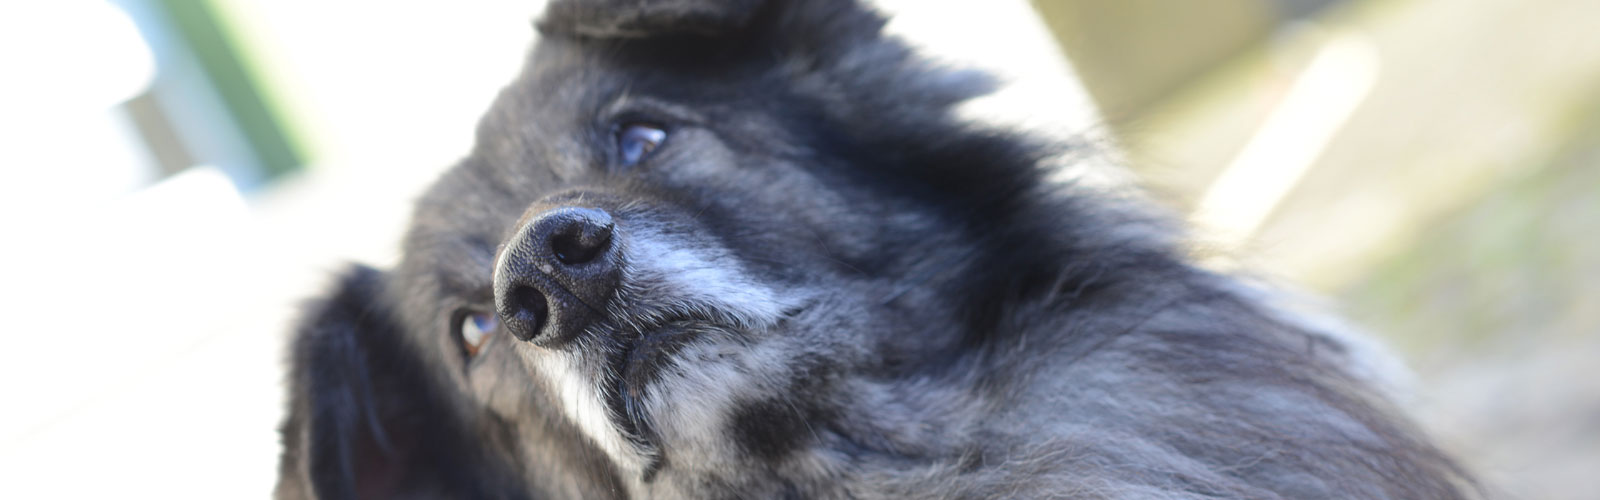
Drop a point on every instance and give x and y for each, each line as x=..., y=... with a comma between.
x=177, y=175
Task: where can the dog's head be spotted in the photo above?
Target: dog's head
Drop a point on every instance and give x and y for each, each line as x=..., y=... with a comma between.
x=693, y=242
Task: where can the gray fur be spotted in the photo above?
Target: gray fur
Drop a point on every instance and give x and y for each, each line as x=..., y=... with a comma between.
x=856, y=295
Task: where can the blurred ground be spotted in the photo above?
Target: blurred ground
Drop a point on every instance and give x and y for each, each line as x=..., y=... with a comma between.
x=1456, y=213
x=1498, y=306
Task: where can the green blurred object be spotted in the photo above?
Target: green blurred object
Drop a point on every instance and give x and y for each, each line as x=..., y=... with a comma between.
x=196, y=22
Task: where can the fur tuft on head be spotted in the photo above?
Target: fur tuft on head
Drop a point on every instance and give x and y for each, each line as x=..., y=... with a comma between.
x=647, y=18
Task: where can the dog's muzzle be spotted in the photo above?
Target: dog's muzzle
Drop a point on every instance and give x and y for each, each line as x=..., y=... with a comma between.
x=556, y=274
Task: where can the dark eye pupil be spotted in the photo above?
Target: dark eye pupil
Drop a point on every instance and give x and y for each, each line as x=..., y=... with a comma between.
x=637, y=140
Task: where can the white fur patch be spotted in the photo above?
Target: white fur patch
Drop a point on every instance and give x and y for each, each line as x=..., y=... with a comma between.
x=699, y=277
x=692, y=404
x=580, y=399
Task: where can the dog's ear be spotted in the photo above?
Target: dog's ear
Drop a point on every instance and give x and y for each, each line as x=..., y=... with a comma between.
x=646, y=18
x=364, y=420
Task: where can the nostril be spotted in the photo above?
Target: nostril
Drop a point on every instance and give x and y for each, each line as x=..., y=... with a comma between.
x=530, y=309
x=581, y=242
x=556, y=274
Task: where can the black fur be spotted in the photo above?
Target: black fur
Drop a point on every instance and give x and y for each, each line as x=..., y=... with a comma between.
x=371, y=424
x=830, y=288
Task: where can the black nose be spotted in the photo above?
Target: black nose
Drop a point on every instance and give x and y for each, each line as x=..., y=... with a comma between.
x=556, y=274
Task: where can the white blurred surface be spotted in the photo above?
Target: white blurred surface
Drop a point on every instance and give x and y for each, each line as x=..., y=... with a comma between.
x=147, y=329
x=66, y=64
x=1286, y=145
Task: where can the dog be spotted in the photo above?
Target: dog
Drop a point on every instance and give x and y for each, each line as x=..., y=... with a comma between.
x=744, y=249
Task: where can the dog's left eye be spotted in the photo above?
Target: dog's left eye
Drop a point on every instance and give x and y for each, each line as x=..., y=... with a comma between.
x=475, y=329
x=637, y=140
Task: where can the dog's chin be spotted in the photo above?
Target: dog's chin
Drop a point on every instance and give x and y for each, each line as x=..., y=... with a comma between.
x=635, y=370
x=654, y=374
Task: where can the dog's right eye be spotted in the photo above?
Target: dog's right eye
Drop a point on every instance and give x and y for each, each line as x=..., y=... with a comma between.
x=474, y=329
x=637, y=140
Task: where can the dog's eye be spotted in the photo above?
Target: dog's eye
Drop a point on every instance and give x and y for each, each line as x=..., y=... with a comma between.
x=636, y=140
x=475, y=329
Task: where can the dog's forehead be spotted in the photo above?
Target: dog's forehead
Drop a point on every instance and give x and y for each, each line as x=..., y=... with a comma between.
x=540, y=136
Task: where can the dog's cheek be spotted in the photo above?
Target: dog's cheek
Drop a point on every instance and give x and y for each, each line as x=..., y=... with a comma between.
x=767, y=430
x=688, y=270
x=719, y=399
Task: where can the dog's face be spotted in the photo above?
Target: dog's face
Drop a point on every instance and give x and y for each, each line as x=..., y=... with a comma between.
x=681, y=254
x=654, y=248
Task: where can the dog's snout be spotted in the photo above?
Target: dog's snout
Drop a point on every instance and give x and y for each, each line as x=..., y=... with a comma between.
x=556, y=274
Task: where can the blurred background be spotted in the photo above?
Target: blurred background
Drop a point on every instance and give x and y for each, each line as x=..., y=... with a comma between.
x=179, y=174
